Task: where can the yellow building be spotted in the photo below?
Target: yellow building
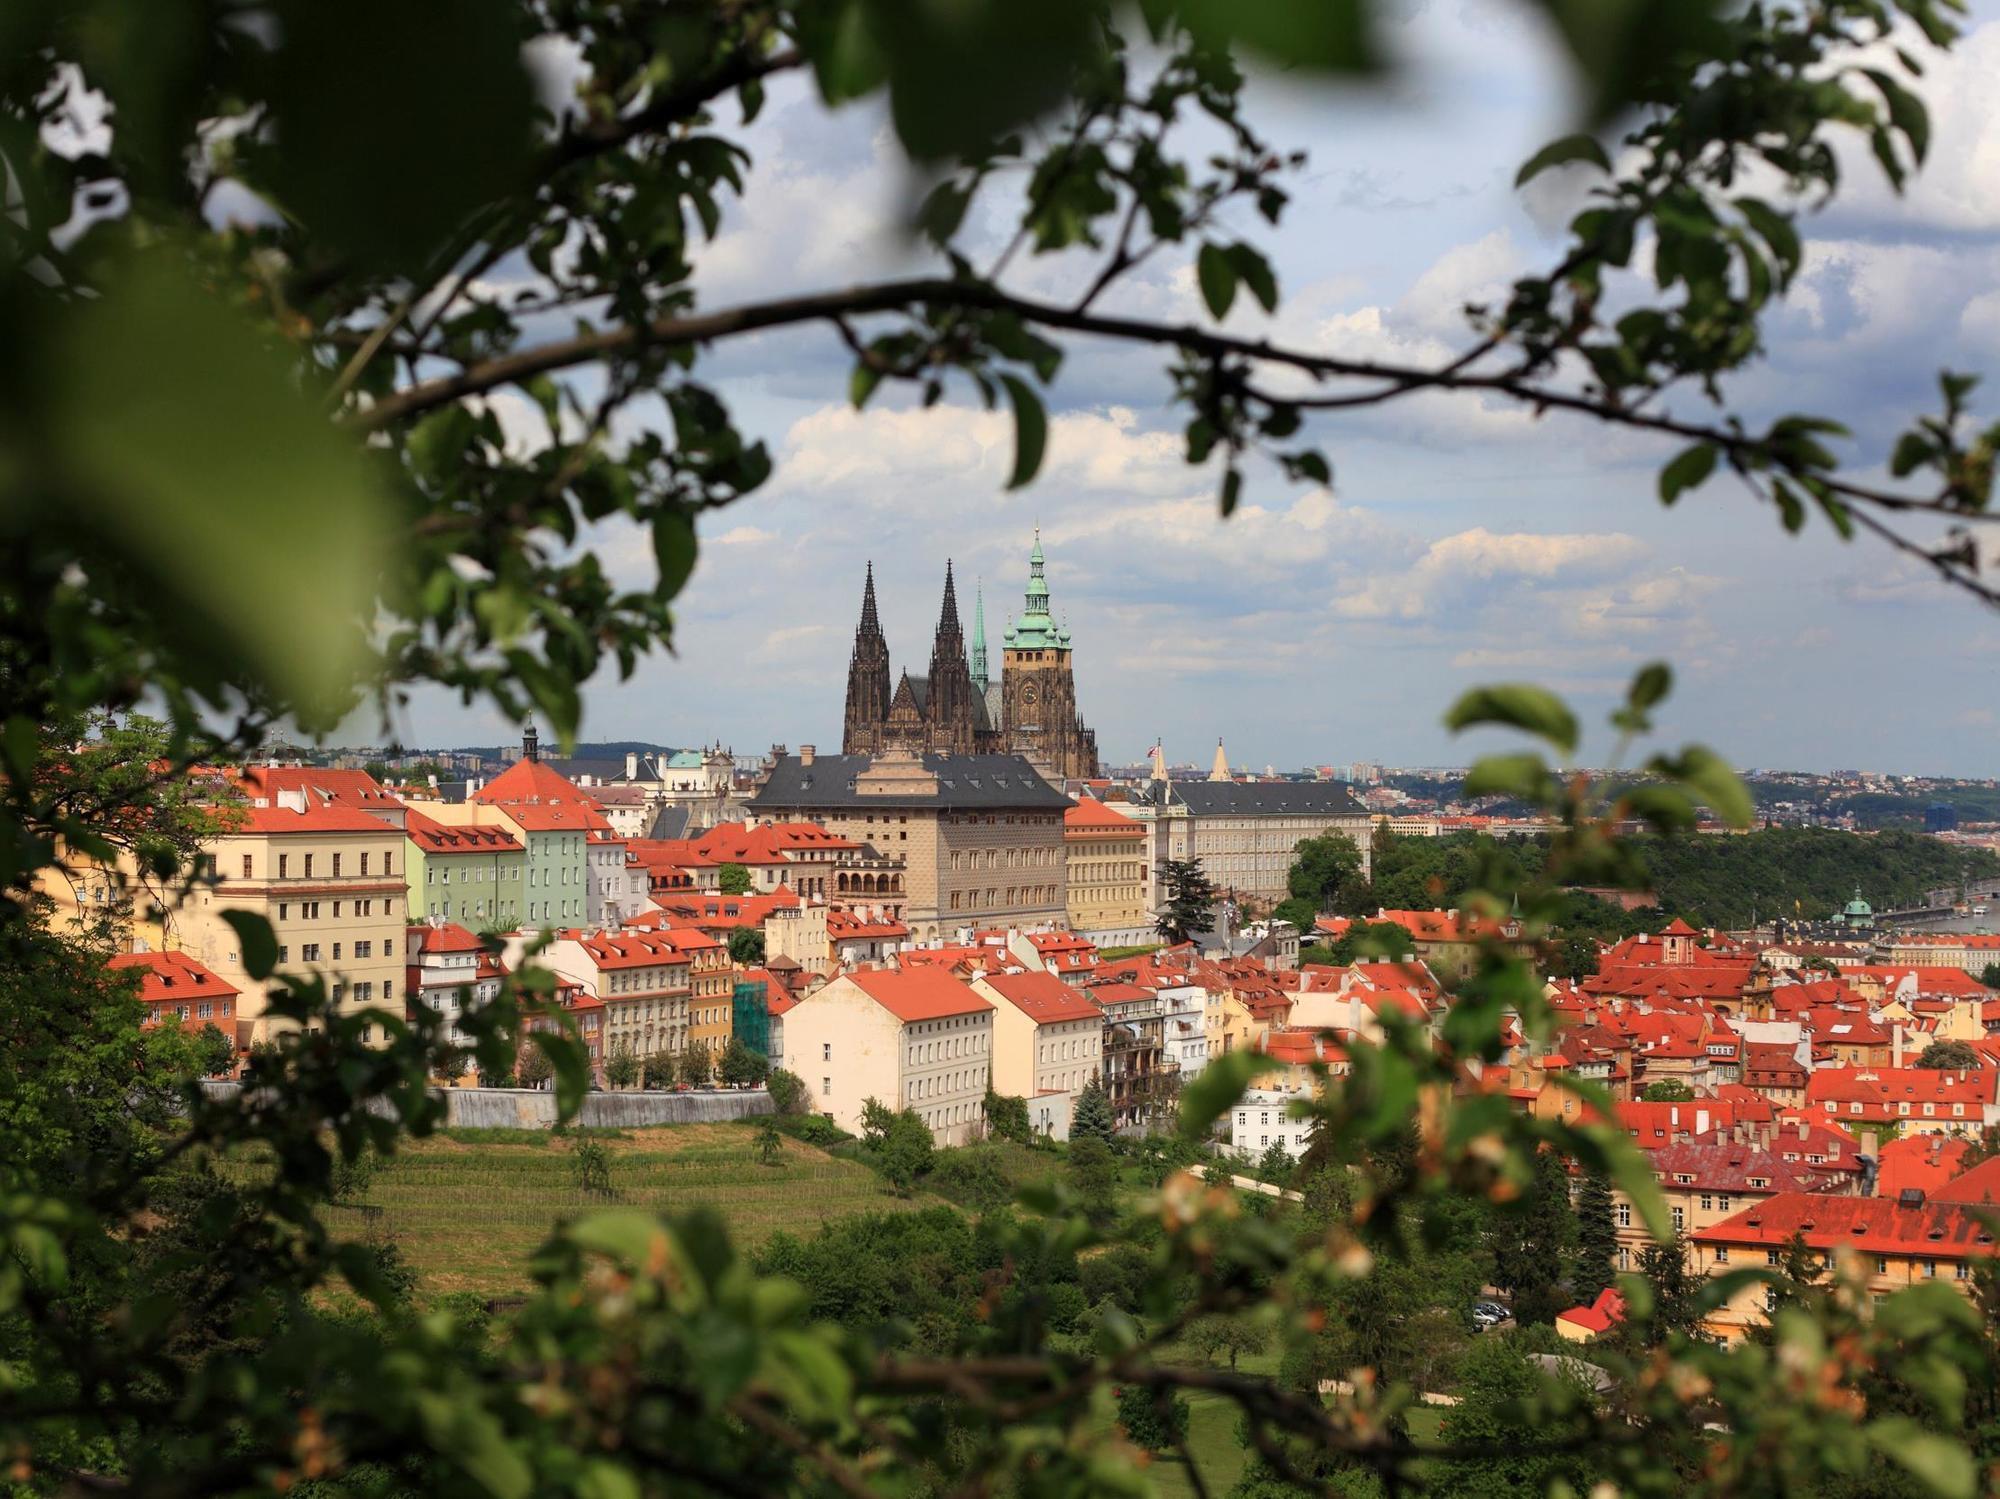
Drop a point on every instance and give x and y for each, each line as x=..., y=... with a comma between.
x=1105, y=857
x=1047, y=1038
x=330, y=881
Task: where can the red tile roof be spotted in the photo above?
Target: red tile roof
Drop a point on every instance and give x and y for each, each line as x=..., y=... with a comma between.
x=1721, y=1164
x=1926, y=1162
x=448, y=937
x=319, y=817
x=1603, y=1314
x=457, y=838
x=1980, y=1184
x=1042, y=997
x=1090, y=818
x=170, y=977
x=349, y=788
x=1870, y=1225
x=917, y=994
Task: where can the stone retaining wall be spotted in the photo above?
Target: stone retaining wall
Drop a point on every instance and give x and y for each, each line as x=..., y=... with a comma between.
x=531, y=1108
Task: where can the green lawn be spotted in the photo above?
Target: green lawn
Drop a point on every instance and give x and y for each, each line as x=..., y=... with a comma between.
x=468, y=1211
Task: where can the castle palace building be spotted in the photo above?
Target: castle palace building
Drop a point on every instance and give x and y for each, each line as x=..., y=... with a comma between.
x=957, y=708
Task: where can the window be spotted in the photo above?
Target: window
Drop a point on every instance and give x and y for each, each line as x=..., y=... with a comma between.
x=1722, y=1202
x=309, y=866
x=1930, y=1269
x=364, y=863
x=309, y=953
x=283, y=861
x=284, y=910
x=246, y=866
x=1678, y=1216
x=1881, y=1264
x=336, y=952
x=1706, y=1202
x=1770, y=1256
x=389, y=949
x=1961, y=1270
x=825, y=1087
x=336, y=866
x=284, y=956
x=364, y=949
x=363, y=993
x=1722, y=1254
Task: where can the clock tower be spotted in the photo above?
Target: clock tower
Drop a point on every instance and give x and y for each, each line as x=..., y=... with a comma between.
x=1039, y=716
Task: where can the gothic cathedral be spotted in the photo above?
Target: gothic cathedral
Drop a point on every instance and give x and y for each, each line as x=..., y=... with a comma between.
x=957, y=709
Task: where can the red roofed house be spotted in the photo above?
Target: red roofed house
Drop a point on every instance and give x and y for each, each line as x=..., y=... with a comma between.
x=1704, y=1180
x=910, y=1038
x=644, y=980
x=1104, y=856
x=173, y=986
x=1919, y=1100
x=329, y=878
x=1048, y=1041
x=1774, y=1070
x=1900, y=1241
x=467, y=873
x=1582, y=1323
x=449, y=969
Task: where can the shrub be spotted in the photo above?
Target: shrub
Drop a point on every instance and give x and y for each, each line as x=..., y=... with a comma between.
x=788, y=1092
x=971, y=1176
x=590, y=1165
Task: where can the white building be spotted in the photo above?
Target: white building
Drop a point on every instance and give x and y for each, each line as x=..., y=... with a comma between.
x=451, y=971
x=916, y=1040
x=1261, y=1119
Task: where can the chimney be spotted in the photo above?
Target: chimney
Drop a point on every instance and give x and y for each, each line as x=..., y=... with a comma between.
x=1896, y=1043
x=805, y=754
x=631, y=765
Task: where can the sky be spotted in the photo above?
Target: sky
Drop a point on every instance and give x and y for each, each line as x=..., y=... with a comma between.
x=1460, y=543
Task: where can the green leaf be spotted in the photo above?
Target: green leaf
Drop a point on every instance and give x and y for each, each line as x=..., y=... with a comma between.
x=1650, y=685
x=1906, y=112
x=1913, y=451
x=1333, y=35
x=177, y=426
x=1942, y=1465
x=1776, y=230
x=1217, y=275
x=398, y=121
x=1689, y=470
x=1523, y=775
x=605, y=1479
x=472, y=1436
x=674, y=549
x=1254, y=271
x=1560, y=153
x=861, y=384
x=1519, y=705
x=259, y=942
x=634, y=1238
x=1707, y=774
x=1031, y=430
x=1215, y=1091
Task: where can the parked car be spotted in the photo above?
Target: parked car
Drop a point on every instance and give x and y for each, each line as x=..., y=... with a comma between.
x=1487, y=1314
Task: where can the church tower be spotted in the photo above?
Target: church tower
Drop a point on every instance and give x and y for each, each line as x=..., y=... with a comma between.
x=1038, y=685
x=988, y=687
x=867, y=680
x=953, y=718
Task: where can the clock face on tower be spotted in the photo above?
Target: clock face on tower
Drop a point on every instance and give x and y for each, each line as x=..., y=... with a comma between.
x=1027, y=694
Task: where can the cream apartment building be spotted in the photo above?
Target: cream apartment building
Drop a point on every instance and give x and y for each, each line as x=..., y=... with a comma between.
x=979, y=837
x=1047, y=1038
x=330, y=881
x=919, y=1040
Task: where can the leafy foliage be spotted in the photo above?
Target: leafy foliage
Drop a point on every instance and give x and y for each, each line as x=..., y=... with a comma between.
x=733, y=879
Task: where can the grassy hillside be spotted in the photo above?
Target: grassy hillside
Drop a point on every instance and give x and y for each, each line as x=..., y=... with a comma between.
x=468, y=1210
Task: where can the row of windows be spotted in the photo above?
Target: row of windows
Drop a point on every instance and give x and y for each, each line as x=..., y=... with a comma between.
x=948, y=1082
x=1017, y=895
x=440, y=874
x=1903, y=1108
x=362, y=993
x=388, y=866
x=1001, y=858
x=1070, y=1050
x=309, y=951
x=309, y=910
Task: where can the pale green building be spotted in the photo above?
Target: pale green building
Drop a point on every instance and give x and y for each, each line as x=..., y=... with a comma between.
x=474, y=875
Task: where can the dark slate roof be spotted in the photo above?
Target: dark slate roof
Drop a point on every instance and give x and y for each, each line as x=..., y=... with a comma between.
x=920, y=691
x=598, y=770
x=1263, y=798
x=963, y=781
x=669, y=821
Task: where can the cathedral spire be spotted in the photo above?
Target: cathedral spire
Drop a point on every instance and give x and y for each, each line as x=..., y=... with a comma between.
x=979, y=636
x=870, y=625
x=1220, y=770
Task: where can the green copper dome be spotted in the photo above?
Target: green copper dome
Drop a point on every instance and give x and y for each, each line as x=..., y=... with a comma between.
x=1036, y=630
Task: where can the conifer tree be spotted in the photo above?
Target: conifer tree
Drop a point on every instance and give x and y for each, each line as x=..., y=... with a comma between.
x=1596, y=1238
x=1092, y=1119
x=1532, y=1240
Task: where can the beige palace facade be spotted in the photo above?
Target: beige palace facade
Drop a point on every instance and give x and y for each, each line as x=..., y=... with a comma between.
x=980, y=837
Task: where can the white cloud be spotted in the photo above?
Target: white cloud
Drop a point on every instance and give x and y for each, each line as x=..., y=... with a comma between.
x=1463, y=570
